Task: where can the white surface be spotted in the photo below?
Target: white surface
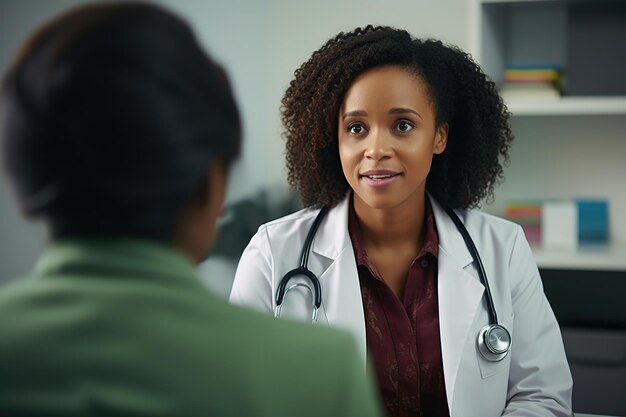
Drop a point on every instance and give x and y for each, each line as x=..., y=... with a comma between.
x=569, y=106
x=514, y=1
x=591, y=415
x=597, y=258
x=559, y=225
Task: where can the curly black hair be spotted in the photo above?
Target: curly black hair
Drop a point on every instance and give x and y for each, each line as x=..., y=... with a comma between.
x=479, y=137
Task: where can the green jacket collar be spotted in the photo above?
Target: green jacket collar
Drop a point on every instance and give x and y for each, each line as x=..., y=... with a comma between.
x=111, y=256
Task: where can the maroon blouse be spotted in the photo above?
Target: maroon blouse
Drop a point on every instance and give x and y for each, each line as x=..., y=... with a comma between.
x=403, y=339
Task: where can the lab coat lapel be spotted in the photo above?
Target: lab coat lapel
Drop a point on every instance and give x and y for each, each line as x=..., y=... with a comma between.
x=459, y=293
x=341, y=290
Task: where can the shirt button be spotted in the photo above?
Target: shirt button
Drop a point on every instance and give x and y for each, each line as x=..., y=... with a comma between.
x=424, y=263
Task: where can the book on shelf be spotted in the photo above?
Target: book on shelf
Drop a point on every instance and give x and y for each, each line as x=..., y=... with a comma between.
x=532, y=82
x=532, y=73
x=593, y=220
x=529, y=91
x=561, y=224
x=528, y=215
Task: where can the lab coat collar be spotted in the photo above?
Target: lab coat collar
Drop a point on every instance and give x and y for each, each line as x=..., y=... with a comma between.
x=333, y=231
x=450, y=240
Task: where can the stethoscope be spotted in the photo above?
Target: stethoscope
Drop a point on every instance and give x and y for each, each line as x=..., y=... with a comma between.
x=494, y=340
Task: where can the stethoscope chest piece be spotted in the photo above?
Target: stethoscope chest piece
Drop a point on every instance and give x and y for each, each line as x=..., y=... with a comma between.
x=494, y=342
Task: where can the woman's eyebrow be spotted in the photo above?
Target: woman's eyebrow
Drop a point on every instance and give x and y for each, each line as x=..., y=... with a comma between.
x=355, y=113
x=403, y=110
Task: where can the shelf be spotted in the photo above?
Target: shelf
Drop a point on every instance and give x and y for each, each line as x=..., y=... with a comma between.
x=600, y=258
x=514, y=1
x=569, y=106
x=557, y=33
x=532, y=1
x=570, y=146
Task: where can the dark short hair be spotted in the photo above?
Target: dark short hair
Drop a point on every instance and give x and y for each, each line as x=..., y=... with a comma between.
x=112, y=115
x=479, y=135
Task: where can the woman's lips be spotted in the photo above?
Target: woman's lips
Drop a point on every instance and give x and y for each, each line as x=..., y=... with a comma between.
x=379, y=178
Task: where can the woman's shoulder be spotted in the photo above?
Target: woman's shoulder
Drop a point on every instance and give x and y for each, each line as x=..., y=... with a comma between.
x=301, y=219
x=488, y=220
x=304, y=214
x=479, y=221
x=289, y=228
x=488, y=227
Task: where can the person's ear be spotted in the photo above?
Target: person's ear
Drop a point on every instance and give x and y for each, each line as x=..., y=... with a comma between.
x=197, y=226
x=441, y=138
x=215, y=191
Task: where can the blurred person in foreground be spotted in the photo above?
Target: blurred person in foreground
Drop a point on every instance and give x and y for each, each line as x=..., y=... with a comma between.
x=118, y=130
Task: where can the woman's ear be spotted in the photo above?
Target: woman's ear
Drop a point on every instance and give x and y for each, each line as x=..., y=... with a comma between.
x=197, y=227
x=441, y=138
x=212, y=208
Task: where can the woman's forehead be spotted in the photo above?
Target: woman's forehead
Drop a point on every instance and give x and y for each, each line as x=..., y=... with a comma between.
x=386, y=85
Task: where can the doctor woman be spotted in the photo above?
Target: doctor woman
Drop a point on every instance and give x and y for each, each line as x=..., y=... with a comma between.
x=389, y=131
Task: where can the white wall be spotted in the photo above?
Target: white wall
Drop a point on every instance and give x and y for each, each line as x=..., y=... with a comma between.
x=261, y=43
x=568, y=157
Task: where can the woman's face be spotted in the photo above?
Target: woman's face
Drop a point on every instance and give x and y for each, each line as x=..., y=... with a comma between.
x=387, y=137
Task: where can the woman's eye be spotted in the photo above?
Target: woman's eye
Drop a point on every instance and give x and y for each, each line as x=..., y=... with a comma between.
x=356, y=129
x=404, y=126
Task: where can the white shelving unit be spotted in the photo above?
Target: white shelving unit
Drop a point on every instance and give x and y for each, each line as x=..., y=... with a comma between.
x=573, y=106
x=522, y=32
x=599, y=258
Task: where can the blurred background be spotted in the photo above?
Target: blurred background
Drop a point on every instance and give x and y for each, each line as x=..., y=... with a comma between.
x=261, y=43
x=560, y=64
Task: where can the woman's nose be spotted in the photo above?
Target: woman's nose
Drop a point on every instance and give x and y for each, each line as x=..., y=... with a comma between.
x=377, y=146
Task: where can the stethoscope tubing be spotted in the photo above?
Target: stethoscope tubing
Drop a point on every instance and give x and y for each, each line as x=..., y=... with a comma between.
x=303, y=268
x=494, y=340
x=493, y=316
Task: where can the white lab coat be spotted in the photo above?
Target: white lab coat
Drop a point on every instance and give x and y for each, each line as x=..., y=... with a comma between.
x=533, y=380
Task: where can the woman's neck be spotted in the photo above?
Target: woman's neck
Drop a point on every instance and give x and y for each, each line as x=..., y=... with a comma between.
x=396, y=226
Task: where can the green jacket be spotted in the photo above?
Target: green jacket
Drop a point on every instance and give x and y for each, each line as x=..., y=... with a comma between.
x=123, y=327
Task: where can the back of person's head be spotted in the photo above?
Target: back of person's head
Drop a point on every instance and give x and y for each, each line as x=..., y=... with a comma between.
x=112, y=114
